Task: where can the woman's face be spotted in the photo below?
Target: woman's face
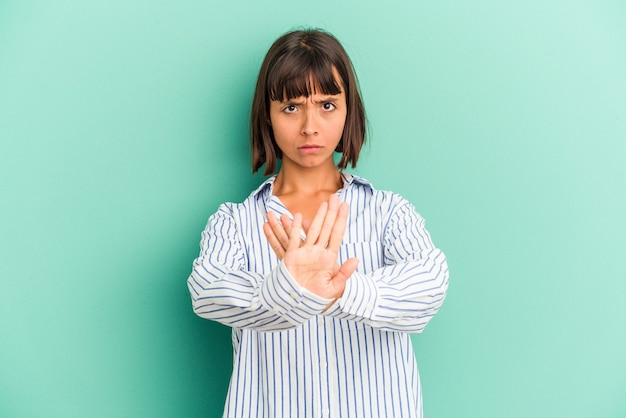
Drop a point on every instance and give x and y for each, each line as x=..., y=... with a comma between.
x=308, y=129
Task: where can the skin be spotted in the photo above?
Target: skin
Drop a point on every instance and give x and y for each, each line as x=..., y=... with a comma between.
x=307, y=130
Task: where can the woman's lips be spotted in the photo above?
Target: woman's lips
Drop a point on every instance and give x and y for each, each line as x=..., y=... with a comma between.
x=310, y=149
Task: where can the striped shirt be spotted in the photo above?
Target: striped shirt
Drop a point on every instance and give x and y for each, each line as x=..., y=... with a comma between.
x=293, y=360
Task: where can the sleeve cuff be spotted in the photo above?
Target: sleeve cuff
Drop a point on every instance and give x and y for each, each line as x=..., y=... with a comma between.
x=359, y=297
x=281, y=294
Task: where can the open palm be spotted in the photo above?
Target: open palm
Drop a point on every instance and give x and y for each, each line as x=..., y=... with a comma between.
x=313, y=261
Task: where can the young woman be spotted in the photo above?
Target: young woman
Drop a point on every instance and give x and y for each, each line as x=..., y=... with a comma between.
x=321, y=276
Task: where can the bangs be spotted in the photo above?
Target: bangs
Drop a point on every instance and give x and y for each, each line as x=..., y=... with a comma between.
x=302, y=75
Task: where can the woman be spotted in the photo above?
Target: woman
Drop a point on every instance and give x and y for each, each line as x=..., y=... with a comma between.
x=321, y=276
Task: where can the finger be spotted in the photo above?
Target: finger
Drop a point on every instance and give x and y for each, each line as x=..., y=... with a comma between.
x=329, y=220
x=278, y=229
x=339, y=227
x=273, y=241
x=345, y=271
x=294, y=234
x=316, y=225
x=286, y=221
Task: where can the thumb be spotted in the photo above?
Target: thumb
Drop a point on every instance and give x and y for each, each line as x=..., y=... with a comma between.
x=346, y=270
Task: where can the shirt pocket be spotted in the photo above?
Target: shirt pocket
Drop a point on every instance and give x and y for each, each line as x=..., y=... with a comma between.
x=369, y=253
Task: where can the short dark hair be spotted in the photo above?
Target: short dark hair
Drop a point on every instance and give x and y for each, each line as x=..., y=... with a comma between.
x=293, y=63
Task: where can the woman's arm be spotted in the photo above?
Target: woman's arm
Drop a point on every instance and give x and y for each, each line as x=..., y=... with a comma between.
x=401, y=296
x=223, y=290
x=407, y=292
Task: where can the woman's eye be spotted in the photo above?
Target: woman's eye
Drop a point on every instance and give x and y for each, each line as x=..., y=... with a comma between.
x=328, y=106
x=290, y=109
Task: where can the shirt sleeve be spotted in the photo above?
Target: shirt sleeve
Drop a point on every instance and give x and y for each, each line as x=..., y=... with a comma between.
x=223, y=290
x=408, y=290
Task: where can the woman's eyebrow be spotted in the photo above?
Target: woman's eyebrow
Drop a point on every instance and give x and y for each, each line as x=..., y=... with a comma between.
x=323, y=99
x=292, y=101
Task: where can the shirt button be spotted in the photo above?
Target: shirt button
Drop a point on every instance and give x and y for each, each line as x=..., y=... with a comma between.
x=325, y=411
x=320, y=321
x=293, y=295
x=323, y=364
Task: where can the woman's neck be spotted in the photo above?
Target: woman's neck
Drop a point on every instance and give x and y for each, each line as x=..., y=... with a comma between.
x=303, y=191
x=303, y=182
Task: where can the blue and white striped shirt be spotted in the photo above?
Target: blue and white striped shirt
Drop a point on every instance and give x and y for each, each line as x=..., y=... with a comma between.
x=290, y=358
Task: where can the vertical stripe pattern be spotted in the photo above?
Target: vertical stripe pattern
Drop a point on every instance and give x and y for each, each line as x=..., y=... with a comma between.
x=290, y=359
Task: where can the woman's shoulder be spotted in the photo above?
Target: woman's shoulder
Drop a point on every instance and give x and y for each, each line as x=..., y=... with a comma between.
x=360, y=187
x=251, y=202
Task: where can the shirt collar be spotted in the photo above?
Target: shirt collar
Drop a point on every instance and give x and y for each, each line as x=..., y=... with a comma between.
x=265, y=189
x=350, y=179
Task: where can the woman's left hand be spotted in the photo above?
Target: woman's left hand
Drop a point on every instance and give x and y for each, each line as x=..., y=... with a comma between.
x=312, y=261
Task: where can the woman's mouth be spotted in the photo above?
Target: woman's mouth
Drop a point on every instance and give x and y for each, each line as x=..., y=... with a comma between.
x=310, y=149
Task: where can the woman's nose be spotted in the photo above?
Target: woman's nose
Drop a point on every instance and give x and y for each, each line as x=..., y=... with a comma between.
x=309, y=123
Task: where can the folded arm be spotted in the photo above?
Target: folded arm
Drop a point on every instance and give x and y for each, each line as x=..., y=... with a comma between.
x=407, y=292
x=223, y=290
